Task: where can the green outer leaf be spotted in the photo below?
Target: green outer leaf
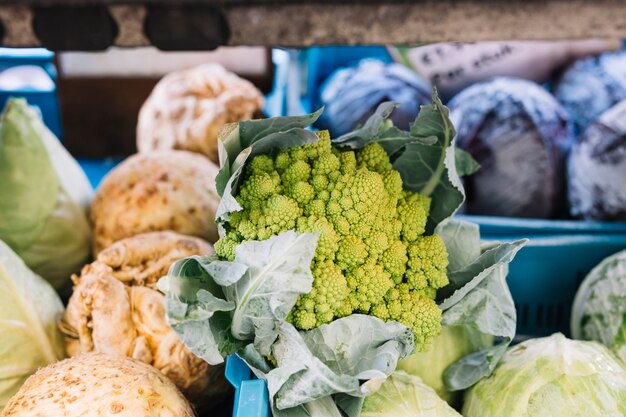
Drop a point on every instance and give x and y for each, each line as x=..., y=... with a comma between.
x=452, y=344
x=619, y=341
x=197, y=310
x=378, y=129
x=333, y=358
x=27, y=195
x=431, y=169
x=234, y=138
x=29, y=336
x=465, y=163
x=465, y=280
x=406, y=395
x=253, y=130
x=462, y=241
x=599, y=308
x=552, y=376
x=371, y=130
x=277, y=272
x=242, y=301
x=44, y=197
x=477, y=298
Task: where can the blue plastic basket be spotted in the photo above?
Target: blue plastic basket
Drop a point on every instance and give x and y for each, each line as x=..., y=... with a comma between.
x=491, y=226
x=545, y=275
x=251, y=398
x=319, y=62
x=46, y=100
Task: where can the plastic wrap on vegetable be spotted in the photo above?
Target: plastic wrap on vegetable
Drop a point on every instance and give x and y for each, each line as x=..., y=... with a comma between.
x=519, y=135
x=599, y=310
x=552, y=376
x=591, y=86
x=597, y=166
x=351, y=95
x=187, y=108
x=116, y=309
x=44, y=197
x=29, y=337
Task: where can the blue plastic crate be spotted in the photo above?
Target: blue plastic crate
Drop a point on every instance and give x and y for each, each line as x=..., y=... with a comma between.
x=546, y=273
x=317, y=63
x=46, y=100
x=251, y=398
x=492, y=226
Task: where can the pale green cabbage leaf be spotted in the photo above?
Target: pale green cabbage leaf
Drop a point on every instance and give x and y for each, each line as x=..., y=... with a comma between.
x=477, y=298
x=552, y=376
x=452, y=344
x=599, y=309
x=29, y=337
x=405, y=395
x=44, y=197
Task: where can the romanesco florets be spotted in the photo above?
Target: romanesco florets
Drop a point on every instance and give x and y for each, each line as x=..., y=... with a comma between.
x=371, y=257
x=413, y=309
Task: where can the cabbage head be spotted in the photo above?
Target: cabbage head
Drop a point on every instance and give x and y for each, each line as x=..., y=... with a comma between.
x=451, y=345
x=599, y=310
x=552, y=376
x=44, y=197
x=29, y=337
x=404, y=395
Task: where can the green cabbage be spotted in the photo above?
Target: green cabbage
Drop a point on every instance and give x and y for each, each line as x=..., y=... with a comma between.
x=599, y=310
x=451, y=345
x=404, y=395
x=552, y=376
x=29, y=337
x=44, y=197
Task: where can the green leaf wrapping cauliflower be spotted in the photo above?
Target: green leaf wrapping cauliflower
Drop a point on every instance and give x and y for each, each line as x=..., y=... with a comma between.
x=372, y=256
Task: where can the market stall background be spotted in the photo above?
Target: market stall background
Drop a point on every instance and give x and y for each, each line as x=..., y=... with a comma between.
x=291, y=83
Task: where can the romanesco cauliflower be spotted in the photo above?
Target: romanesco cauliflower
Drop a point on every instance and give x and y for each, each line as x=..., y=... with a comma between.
x=372, y=256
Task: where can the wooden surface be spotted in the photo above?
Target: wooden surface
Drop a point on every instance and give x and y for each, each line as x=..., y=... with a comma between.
x=302, y=23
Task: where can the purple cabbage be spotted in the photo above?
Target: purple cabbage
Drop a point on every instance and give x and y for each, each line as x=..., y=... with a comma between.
x=350, y=95
x=597, y=168
x=519, y=134
x=591, y=86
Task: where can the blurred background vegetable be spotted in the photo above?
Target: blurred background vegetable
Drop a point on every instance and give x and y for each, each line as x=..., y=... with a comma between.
x=161, y=190
x=404, y=395
x=29, y=337
x=519, y=134
x=591, y=86
x=596, y=167
x=187, y=108
x=94, y=385
x=551, y=376
x=599, y=310
x=352, y=94
x=44, y=197
x=116, y=309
